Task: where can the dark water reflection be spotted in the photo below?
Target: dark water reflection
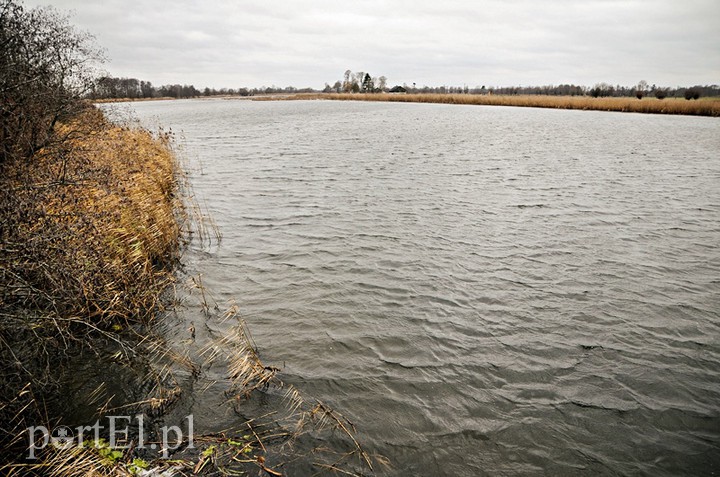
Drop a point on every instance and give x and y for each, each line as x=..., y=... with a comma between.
x=481, y=290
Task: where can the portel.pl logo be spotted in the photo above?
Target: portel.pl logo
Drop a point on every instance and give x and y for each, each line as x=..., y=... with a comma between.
x=64, y=437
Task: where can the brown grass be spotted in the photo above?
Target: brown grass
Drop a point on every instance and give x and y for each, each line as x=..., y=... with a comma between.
x=89, y=236
x=706, y=107
x=302, y=417
x=90, y=229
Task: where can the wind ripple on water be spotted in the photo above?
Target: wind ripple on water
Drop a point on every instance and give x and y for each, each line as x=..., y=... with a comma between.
x=483, y=290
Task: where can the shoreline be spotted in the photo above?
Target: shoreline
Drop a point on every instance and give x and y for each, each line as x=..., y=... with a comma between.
x=708, y=107
x=91, y=230
x=104, y=214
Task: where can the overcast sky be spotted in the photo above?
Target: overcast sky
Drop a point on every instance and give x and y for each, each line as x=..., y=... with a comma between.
x=234, y=43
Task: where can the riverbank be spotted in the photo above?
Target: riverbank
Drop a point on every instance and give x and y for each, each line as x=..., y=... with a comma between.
x=92, y=227
x=701, y=107
x=90, y=231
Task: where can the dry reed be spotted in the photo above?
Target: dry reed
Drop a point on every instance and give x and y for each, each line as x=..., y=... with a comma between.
x=90, y=232
x=703, y=107
x=89, y=226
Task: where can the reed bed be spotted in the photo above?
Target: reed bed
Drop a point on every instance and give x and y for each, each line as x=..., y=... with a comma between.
x=90, y=232
x=89, y=226
x=702, y=107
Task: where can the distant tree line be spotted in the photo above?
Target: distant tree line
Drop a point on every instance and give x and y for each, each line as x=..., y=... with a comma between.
x=599, y=90
x=256, y=91
x=642, y=89
x=108, y=87
x=362, y=82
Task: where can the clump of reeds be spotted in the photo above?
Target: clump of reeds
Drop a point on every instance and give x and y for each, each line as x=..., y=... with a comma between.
x=89, y=225
x=706, y=107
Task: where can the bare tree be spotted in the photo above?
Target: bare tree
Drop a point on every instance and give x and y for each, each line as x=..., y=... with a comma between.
x=382, y=84
x=641, y=89
x=347, y=83
x=358, y=80
x=46, y=66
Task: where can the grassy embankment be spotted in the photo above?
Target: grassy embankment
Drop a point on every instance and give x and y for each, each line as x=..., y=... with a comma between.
x=90, y=230
x=702, y=107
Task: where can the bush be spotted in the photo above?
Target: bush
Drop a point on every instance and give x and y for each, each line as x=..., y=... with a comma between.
x=45, y=67
x=661, y=93
x=692, y=93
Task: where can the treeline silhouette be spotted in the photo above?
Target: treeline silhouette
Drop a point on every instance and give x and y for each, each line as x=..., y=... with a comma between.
x=108, y=87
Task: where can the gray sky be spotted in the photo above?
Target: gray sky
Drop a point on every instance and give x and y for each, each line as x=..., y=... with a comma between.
x=234, y=43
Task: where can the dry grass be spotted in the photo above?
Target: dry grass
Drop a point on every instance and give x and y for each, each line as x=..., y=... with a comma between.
x=89, y=226
x=89, y=236
x=292, y=427
x=73, y=462
x=706, y=107
x=300, y=416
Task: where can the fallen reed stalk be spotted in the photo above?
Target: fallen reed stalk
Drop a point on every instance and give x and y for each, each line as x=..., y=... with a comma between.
x=702, y=107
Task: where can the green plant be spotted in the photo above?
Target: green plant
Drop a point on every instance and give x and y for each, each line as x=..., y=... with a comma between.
x=137, y=465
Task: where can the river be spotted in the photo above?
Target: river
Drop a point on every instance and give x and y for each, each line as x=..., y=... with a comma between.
x=481, y=290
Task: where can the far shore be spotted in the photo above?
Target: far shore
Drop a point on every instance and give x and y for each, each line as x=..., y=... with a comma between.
x=699, y=107
x=206, y=98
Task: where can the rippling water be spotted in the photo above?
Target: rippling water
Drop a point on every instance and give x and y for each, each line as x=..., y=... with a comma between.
x=481, y=290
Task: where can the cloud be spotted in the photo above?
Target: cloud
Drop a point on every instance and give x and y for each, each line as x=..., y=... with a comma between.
x=494, y=42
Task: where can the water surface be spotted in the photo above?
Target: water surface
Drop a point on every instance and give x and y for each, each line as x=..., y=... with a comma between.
x=481, y=290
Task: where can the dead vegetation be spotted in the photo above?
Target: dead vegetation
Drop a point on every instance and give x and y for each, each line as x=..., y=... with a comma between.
x=89, y=227
x=89, y=235
x=705, y=107
x=285, y=433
